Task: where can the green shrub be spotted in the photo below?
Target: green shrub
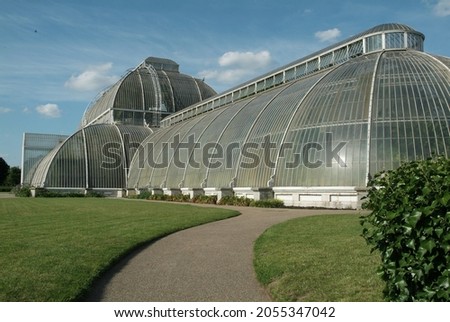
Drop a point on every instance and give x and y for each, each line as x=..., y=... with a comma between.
x=45, y=193
x=89, y=194
x=179, y=198
x=21, y=191
x=246, y=202
x=235, y=201
x=267, y=203
x=211, y=200
x=410, y=226
x=6, y=189
x=144, y=195
x=157, y=197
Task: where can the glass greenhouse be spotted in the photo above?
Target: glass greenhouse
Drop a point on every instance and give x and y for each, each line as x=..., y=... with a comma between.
x=113, y=126
x=311, y=133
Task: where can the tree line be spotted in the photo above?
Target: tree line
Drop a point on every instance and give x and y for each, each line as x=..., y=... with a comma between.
x=9, y=176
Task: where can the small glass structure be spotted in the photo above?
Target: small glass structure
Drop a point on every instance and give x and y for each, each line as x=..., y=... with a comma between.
x=35, y=146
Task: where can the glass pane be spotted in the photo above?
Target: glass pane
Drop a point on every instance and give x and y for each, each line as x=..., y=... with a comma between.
x=395, y=40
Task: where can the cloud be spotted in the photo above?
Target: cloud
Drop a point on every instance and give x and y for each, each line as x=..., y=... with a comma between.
x=234, y=66
x=228, y=76
x=92, y=79
x=328, y=35
x=246, y=60
x=49, y=110
x=4, y=110
x=442, y=8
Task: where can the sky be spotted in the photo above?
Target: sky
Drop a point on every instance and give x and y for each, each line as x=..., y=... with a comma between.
x=57, y=56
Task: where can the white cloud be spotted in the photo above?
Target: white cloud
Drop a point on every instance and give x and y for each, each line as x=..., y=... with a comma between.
x=4, y=110
x=235, y=66
x=92, y=79
x=442, y=8
x=247, y=60
x=49, y=110
x=228, y=76
x=328, y=35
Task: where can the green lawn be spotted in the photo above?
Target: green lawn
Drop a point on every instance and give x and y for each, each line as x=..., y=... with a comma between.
x=52, y=249
x=320, y=258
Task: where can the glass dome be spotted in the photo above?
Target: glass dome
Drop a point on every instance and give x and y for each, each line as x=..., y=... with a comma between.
x=146, y=94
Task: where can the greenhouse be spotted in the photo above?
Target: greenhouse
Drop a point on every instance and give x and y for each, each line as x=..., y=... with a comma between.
x=311, y=133
x=97, y=156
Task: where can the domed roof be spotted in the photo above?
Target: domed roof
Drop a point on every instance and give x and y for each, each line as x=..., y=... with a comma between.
x=389, y=27
x=162, y=64
x=146, y=94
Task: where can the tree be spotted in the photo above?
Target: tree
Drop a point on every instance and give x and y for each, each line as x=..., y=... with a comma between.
x=13, y=177
x=4, y=168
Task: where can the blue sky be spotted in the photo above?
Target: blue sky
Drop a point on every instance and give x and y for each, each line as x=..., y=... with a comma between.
x=56, y=56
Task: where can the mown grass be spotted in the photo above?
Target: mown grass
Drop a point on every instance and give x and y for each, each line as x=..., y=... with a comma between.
x=53, y=249
x=318, y=259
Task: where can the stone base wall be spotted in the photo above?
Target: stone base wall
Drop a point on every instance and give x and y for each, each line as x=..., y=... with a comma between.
x=314, y=197
x=321, y=197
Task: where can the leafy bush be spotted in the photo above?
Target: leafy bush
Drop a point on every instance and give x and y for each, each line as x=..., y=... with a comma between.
x=211, y=200
x=246, y=202
x=5, y=189
x=144, y=195
x=267, y=203
x=90, y=194
x=235, y=201
x=157, y=197
x=181, y=198
x=178, y=197
x=45, y=193
x=21, y=191
x=410, y=226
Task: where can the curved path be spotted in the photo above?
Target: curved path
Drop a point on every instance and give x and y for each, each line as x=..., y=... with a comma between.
x=208, y=263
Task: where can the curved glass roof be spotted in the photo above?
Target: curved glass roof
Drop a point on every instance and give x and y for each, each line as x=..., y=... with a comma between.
x=389, y=27
x=390, y=36
x=146, y=94
x=95, y=157
x=334, y=127
x=162, y=64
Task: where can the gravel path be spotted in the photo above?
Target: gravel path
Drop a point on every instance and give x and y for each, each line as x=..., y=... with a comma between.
x=208, y=263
